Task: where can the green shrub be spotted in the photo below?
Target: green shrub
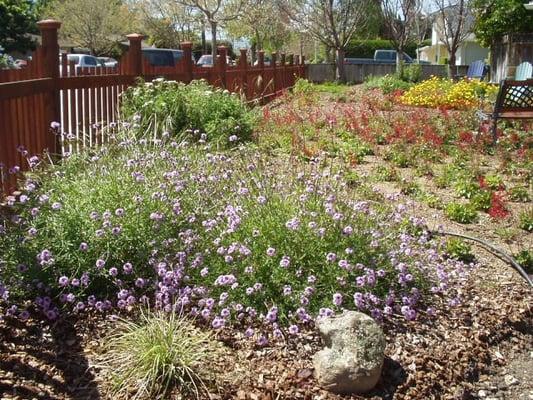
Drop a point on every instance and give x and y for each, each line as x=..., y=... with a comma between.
x=181, y=110
x=519, y=194
x=459, y=249
x=411, y=73
x=463, y=213
x=481, y=200
x=526, y=220
x=387, y=83
x=386, y=173
x=159, y=353
x=525, y=259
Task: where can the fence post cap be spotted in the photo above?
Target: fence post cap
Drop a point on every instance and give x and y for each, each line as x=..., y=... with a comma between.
x=186, y=44
x=48, y=24
x=135, y=36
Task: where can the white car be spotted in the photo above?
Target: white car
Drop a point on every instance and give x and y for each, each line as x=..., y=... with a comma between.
x=207, y=61
x=108, y=61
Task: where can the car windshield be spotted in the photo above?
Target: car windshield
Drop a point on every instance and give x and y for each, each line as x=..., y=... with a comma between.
x=178, y=54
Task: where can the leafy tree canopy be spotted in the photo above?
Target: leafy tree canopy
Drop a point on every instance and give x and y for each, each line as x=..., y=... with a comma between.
x=496, y=18
x=17, y=19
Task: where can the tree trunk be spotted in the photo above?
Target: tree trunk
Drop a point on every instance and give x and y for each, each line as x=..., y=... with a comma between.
x=451, y=65
x=340, y=73
x=213, y=40
x=204, y=45
x=253, y=49
x=399, y=62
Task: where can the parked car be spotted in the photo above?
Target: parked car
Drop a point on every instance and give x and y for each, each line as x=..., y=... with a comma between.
x=267, y=61
x=382, y=57
x=108, y=61
x=178, y=56
x=159, y=57
x=206, y=61
x=80, y=61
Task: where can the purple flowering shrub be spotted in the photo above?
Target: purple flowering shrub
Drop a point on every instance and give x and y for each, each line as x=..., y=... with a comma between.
x=235, y=238
x=183, y=110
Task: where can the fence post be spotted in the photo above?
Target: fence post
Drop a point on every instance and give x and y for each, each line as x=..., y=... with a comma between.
x=222, y=51
x=243, y=63
x=135, y=63
x=303, y=70
x=274, y=57
x=261, y=64
x=50, y=69
x=187, y=59
x=283, y=71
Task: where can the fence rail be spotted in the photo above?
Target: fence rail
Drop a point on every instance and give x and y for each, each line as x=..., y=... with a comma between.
x=82, y=100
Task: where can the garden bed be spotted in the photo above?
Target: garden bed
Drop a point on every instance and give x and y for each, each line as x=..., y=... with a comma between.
x=331, y=170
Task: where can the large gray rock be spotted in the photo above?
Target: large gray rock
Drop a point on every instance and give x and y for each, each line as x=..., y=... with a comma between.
x=352, y=360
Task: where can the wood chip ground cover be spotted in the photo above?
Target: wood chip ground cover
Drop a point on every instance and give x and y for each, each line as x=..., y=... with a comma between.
x=480, y=349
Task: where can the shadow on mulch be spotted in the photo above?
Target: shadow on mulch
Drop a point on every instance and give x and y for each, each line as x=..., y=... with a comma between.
x=45, y=362
x=393, y=375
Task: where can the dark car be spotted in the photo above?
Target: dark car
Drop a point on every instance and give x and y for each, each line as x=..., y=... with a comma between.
x=159, y=57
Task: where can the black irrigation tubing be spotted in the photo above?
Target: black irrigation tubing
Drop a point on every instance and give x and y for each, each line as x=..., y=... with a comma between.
x=499, y=253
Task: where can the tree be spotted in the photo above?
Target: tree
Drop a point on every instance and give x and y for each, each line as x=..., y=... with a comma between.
x=98, y=25
x=399, y=18
x=17, y=19
x=331, y=22
x=166, y=23
x=496, y=18
x=261, y=24
x=216, y=13
x=453, y=24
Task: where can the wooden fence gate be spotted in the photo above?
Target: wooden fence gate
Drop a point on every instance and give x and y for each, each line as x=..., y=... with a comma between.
x=50, y=90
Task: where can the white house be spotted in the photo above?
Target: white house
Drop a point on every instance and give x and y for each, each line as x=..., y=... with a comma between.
x=468, y=52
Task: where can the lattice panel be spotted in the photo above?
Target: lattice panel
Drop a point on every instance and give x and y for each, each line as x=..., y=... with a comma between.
x=518, y=97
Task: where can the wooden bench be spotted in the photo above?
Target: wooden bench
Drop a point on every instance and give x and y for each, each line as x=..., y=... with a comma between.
x=514, y=101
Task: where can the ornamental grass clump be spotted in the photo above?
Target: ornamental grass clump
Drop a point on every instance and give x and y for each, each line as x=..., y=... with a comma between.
x=160, y=108
x=156, y=354
x=235, y=239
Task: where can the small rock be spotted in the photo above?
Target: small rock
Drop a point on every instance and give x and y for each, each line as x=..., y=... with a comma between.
x=353, y=357
x=510, y=380
x=482, y=393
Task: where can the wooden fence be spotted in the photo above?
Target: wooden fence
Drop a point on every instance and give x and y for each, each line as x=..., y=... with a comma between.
x=83, y=100
x=357, y=73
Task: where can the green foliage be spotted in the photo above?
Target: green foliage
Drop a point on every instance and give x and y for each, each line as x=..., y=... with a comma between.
x=481, y=200
x=525, y=259
x=365, y=48
x=387, y=83
x=105, y=23
x=526, y=220
x=497, y=18
x=411, y=73
x=494, y=182
x=303, y=86
x=386, y=173
x=179, y=109
x=466, y=188
x=519, y=194
x=158, y=353
x=459, y=249
x=399, y=156
x=17, y=19
x=463, y=213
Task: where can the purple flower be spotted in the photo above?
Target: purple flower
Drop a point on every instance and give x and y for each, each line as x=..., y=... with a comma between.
x=337, y=299
x=56, y=206
x=271, y=252
x=100, y=263
x=113, y=271
x=293, y=329
x=127, y=268
x=84, y=246
x=63, y=281
x=55, y=125
x=285, y=262
x=331, y=257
